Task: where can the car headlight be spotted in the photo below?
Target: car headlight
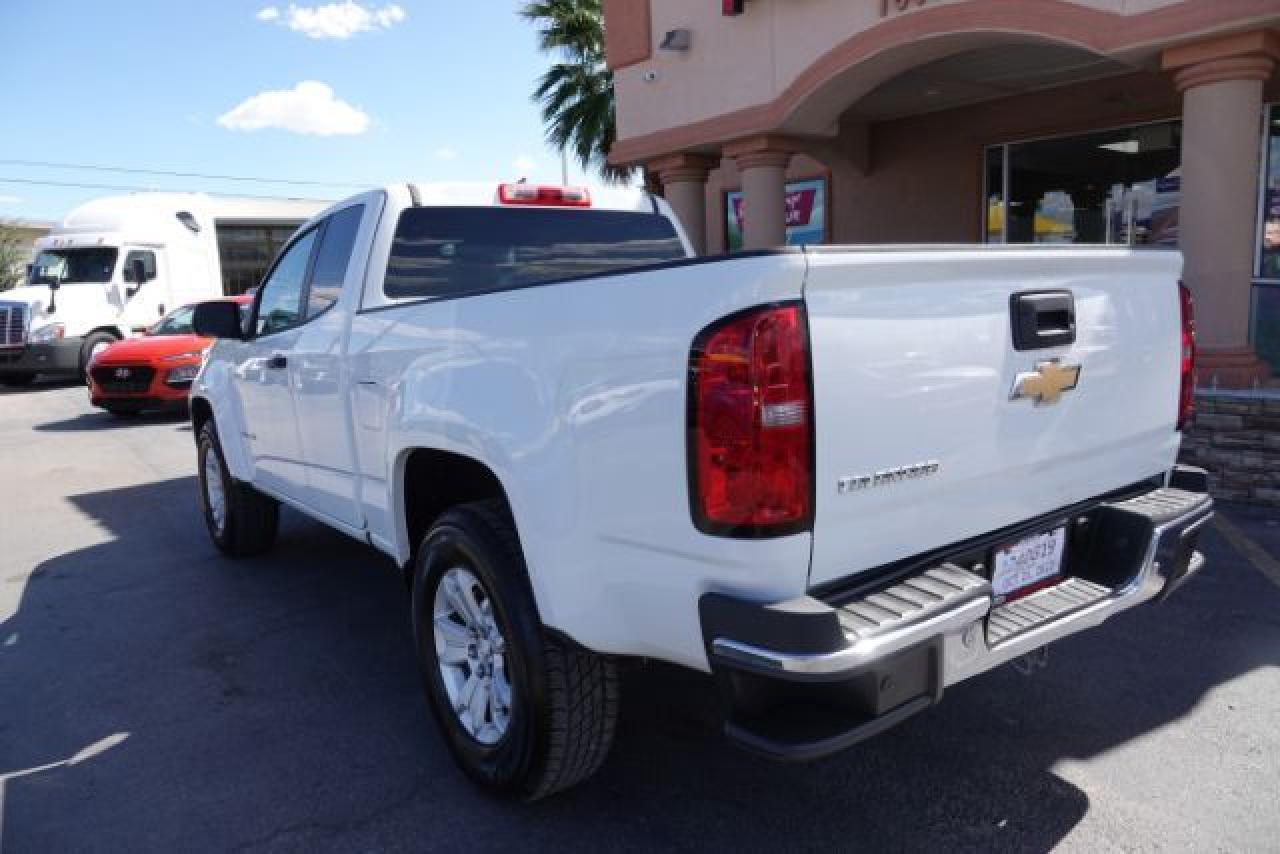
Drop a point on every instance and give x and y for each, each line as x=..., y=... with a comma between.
x=186, y=357
x=45, y=334
x=184, y=375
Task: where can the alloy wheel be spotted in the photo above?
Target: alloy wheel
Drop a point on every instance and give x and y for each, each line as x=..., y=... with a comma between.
x=471, y=654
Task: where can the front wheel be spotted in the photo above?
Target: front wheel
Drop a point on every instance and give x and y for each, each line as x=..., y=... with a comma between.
x=523, y=713
x=241, y=521
x=94, y=343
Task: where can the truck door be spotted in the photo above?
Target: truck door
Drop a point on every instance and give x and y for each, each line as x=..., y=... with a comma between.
x=319, y=370
x=262, y=374
x=147, y=301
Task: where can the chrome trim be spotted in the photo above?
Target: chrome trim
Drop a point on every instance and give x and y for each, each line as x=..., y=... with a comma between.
x=967, y=656
x=863, y=651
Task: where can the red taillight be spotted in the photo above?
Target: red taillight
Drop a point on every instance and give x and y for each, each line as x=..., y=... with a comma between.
x=750, y=425
x=544, y=196
x=1187, y=393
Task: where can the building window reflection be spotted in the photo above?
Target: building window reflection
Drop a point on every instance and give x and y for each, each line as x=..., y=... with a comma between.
x=1117, y=187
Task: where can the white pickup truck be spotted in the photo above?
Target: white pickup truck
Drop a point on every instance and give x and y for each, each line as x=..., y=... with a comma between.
x=838, y=479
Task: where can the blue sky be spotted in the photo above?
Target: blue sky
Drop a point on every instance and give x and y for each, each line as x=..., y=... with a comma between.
x=424, y=89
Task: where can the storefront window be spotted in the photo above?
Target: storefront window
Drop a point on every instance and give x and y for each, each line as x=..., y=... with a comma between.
x=994, y=196
x=1265, y=318
x=246, y=251
x=1117, y=187
x=1269, y=242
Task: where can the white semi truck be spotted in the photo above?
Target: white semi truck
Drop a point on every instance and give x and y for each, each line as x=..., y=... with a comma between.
x=115, y=265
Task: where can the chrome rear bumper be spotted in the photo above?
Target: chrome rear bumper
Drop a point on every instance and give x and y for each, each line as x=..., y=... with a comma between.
x=888, y=652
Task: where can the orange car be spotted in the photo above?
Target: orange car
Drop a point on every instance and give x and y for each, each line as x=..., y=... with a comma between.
x=153, y=371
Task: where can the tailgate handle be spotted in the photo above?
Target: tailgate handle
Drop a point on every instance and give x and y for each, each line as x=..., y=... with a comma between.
x=1042, y=319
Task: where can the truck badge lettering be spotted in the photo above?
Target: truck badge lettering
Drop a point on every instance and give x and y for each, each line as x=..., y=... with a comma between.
x=857, y=483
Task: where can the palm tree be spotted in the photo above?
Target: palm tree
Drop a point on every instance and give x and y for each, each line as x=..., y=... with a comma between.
x=576, y=93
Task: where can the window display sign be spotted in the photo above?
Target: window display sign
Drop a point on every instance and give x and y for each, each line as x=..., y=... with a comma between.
x=806, y=214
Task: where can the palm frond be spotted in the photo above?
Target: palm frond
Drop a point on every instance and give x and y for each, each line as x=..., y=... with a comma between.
x=576, y=93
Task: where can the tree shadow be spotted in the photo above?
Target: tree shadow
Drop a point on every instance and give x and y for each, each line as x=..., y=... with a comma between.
x=274, y=702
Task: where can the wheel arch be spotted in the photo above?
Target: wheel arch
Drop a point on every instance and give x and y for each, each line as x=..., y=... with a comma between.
x=235, y=454
x=113, y=331
x=428, y=482
x=201, y=414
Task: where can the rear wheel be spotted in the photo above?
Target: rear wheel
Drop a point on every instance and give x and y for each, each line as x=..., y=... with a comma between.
x=241, y=521
x=524, y=714
x=18, y=380
x=94, y=343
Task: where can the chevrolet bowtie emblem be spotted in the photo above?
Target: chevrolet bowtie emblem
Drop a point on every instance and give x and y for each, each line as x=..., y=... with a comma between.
x=1046, y=383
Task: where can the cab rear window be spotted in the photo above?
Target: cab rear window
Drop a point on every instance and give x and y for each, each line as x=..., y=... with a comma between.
x=453, y=251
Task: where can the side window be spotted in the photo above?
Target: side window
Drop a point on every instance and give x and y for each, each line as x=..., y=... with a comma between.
x=148, y=260
x=332, y=259
x=280, y=303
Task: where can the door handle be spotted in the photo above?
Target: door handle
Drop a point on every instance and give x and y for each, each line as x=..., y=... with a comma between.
x=1042, y=319
x=277, y=361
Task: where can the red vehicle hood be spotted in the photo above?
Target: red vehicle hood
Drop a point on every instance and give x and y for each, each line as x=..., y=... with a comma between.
x=146, y=350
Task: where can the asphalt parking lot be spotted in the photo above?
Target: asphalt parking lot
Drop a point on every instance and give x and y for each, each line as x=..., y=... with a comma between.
x=155, y=696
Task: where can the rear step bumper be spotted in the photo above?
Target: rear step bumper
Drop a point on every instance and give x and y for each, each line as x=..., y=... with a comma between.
x=805, y=678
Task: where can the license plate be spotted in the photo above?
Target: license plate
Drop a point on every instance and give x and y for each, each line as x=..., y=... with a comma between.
x=1028, y=562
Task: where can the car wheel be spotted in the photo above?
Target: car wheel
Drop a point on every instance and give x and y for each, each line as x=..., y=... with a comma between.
x=94, y=343
x=241, y=521
x=525, y=714
x=18, y=380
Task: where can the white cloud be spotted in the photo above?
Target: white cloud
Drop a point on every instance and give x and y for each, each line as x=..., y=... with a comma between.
x=525, y=163
x=446, y=154
x=335, y=20
x=310, y=108
x=9, y=200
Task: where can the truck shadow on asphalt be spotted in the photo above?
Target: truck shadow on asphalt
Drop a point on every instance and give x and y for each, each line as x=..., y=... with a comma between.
x=274, y=703
x=98, y=419
x=41, y=386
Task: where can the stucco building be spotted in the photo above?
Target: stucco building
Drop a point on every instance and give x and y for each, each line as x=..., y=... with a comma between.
x=1136, y=122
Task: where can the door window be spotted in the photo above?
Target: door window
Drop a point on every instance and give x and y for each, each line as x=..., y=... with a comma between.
x=148, y=260
x=332, y=259
x=280, y=303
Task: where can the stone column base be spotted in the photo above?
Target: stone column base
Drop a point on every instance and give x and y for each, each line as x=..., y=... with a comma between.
x=1230, y=367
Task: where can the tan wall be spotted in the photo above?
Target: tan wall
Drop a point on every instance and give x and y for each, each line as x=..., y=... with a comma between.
x=925, y=180
x=795, y=65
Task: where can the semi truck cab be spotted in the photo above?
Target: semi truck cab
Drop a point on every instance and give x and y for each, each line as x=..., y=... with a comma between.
x=114, y=266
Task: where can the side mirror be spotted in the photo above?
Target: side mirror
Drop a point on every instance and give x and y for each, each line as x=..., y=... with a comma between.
x=138, y=272
x=219, y=319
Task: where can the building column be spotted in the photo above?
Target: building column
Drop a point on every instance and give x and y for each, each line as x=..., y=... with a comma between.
x=684, y=186
x=762, y=162
x=1221, y=81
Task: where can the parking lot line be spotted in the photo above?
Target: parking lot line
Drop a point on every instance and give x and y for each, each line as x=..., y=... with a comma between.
x=1248, y=549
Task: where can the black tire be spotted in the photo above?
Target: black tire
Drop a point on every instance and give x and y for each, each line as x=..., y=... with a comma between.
x=92, y=340
x=250, y=519
x=18, y=380
x=564, y=699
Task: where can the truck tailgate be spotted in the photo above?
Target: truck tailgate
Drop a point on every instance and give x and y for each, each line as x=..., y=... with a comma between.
x=913, y=368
